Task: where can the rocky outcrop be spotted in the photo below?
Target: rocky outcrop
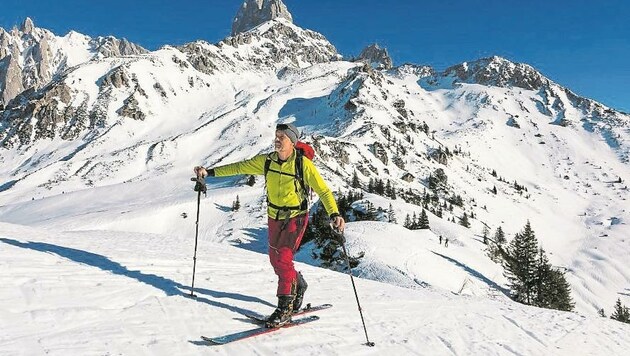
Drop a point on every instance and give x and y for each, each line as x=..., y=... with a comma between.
x=117, y=78
x=112, y=47
x=255, y=12
x=36, y=115
x=413, y=69
x=200, y=56
x=131, y=109
x=11, y=82
x=30, y=56
x=279, y=45
x=497, y=71
x=27, y=26
x=379, y=152
x=376, y=57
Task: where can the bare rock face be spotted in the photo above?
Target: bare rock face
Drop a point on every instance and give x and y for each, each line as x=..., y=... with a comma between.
x=281, y=44
x=30, y=57
x=27, y=26
x=497, y=71
x=376, y=56
x=10, y=77
x=117, y=78
x=36, y=115
x=112, y=47
x=255, y=12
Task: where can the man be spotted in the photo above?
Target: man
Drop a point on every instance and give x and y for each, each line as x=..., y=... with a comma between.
x=287, y=210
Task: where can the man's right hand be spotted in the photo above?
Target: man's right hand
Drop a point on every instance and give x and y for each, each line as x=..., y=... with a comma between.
x=200, y=172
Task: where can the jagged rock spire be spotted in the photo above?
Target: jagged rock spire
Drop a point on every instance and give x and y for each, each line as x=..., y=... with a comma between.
x=255, y=12
x=27, y=26
x=376, y=56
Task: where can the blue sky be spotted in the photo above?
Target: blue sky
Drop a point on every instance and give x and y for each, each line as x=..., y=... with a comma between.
x=583, y=45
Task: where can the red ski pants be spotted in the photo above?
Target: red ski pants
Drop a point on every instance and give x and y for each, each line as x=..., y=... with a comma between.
x=284, y=239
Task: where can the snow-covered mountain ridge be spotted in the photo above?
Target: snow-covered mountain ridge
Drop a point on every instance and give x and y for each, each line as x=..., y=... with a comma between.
x=30, y=57
x=146, y=119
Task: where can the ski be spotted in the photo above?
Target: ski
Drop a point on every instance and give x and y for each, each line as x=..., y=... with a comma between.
x=221, y=340
x=261, y=319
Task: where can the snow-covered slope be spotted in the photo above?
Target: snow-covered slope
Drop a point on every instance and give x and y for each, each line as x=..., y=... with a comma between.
x=106, y=292
x=180, y=117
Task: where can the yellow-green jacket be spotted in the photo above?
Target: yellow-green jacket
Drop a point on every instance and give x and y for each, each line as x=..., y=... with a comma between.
x=283, y=189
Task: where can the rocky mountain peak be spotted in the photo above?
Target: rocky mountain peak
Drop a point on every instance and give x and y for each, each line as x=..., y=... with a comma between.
x=255, y=12
x=376, y=56
x=27, y=26
x=497, y=71
x=30, y=56
x=112, y=47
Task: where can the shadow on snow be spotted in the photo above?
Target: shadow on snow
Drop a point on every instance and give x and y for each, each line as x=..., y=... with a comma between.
x=475, y=274
x=168, y=286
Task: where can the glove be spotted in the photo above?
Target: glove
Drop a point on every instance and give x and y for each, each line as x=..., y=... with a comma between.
x=200, y=185
x=337, y=235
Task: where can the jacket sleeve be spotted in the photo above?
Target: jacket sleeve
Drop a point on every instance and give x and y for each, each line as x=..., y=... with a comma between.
x=314, y=180
x=254, y=166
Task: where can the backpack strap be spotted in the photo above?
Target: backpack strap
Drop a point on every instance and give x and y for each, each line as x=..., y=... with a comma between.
x=299, y=178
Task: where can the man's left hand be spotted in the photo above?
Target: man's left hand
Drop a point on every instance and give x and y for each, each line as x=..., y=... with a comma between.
x=339, y=223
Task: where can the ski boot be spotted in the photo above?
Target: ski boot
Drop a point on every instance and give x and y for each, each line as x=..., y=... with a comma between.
x=300, y=290
x=282, y=314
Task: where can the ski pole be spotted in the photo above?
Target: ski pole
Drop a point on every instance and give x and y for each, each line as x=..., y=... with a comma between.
x=200, y=186
x=341, y=239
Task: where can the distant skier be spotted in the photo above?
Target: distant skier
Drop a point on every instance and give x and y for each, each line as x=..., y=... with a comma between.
x=287, y=210
x=446, y=242
x=440, y=239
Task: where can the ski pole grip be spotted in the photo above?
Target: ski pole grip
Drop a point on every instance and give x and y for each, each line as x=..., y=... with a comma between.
x=337, y=235
x=200, y=185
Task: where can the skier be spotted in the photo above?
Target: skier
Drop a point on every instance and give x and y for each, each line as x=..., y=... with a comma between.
x=446, y=242
x=287, y=210
x=440, y=239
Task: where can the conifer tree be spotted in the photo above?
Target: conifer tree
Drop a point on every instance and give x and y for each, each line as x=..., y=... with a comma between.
x=499, y=236
x=485, y=233
x=521, y=266
x=620, y=312
x=559, y=296
x=391, y=216
x=355, y=180
x=379, y=187
x=371, y=212
x=407, y=223
x=328, y=250
x=543, y=279
x=463, y=221
x=318, y=228
x=236, y=204
x=423, y=223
